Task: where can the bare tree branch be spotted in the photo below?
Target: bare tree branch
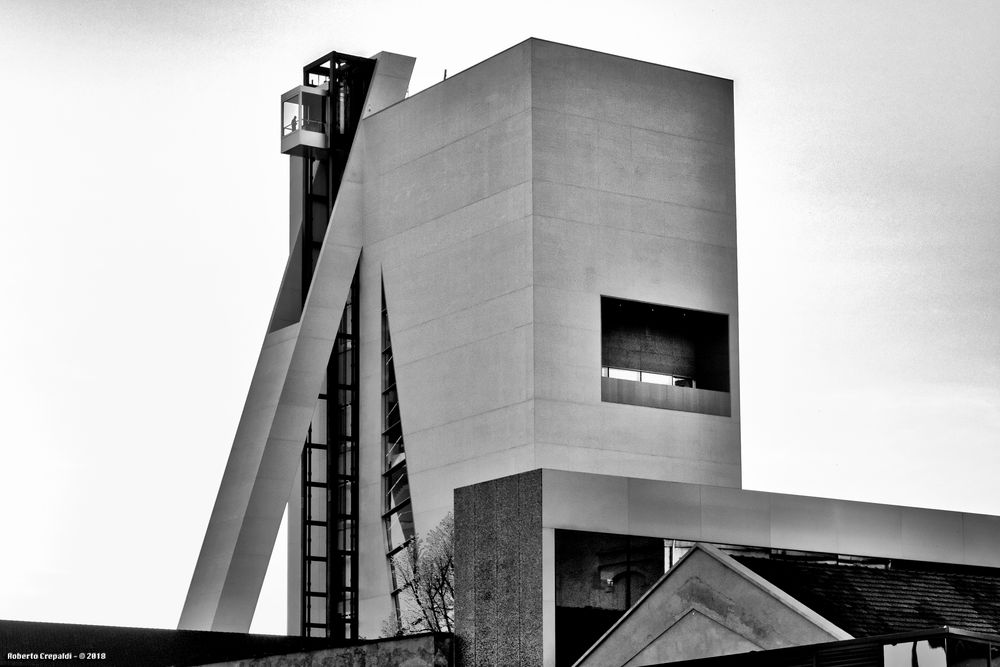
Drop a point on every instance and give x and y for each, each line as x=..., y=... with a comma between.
x=425, y=571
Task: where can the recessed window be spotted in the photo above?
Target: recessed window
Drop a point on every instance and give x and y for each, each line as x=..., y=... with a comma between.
x=663, y=356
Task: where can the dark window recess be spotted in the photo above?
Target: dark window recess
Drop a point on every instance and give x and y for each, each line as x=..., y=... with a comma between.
x=686, y=348
x=598, y=577
x=398, y=515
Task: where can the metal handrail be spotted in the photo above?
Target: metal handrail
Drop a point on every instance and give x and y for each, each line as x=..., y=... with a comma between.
x=307, y=125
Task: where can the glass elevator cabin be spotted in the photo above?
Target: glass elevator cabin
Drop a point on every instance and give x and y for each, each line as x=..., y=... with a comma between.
x=318, y=122
x=303, y=120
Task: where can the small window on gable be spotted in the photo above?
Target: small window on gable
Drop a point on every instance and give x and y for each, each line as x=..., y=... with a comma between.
x=663, y=356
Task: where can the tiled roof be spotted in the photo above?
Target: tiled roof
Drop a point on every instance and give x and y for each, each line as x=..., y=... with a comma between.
x=866, y=601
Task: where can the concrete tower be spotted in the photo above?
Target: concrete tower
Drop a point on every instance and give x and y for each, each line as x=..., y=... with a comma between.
x=529, y=265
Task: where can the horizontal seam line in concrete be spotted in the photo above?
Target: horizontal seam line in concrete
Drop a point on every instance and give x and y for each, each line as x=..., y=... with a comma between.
x=455, y=141
x=429, y=469
x=467, y=308
x=614, y=450
x=637, y=127
x=460, y=419
x=626, y=229
x=440, y=466
x=464, y=345
x=625, y=194
x=466, y=239
x=452, y=212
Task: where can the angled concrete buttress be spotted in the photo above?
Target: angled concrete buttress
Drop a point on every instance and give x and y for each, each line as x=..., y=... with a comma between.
x=266, y=451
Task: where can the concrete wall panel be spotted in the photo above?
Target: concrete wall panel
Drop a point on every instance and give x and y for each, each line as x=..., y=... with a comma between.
x=803, y=520
x=464, y=382
x=628, y=92
x=634, y=199
x=627, y=160
x=464, y=104
x=664, y=397
x=617, y=262
x=456, y=175
x=651, y=466
x=479, y=435
x=650, y=508
x=648, y=502
x=928, y=535
x=498, y=558
x=732, y=516
x=690, y=446
x=634, y=214
x=581, y=502
x=463, y=275
x=569, y=306
x=860, y=525
x=475, y=323
x=981, y=537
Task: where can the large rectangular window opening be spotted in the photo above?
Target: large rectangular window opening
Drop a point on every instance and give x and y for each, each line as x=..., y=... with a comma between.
x=665, y=357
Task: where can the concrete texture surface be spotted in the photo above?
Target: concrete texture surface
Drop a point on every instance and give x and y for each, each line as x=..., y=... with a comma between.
x=498, y=558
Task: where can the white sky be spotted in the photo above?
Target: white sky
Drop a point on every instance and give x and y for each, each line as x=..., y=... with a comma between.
x=143, y=232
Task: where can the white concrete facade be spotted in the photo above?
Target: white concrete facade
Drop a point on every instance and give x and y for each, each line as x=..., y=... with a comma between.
x=499, y=206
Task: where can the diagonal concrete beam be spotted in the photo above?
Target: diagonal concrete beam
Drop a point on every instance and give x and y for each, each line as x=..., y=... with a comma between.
x=267, y=447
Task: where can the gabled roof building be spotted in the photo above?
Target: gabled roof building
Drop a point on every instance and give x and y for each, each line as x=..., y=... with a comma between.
x=735, y=601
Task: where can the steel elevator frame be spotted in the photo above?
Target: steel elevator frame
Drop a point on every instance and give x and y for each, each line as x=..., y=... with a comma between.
x=329, y=511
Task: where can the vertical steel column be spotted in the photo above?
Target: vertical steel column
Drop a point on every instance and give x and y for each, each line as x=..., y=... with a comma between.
x=347, y=79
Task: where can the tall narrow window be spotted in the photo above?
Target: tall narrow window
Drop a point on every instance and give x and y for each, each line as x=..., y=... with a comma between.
x=397, y=512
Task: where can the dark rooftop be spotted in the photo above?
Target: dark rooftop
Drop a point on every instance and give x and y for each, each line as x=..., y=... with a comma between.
x=132, y=647
x=866, y=601
x=951, y=645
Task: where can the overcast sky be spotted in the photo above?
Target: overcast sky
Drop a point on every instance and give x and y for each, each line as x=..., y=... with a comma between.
x=143, y=233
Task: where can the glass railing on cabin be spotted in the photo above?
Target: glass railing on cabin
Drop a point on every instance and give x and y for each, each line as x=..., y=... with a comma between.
x=635, y=375
x=296, y=124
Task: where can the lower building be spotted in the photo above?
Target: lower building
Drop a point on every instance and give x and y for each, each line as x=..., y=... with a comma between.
x=555, y=567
